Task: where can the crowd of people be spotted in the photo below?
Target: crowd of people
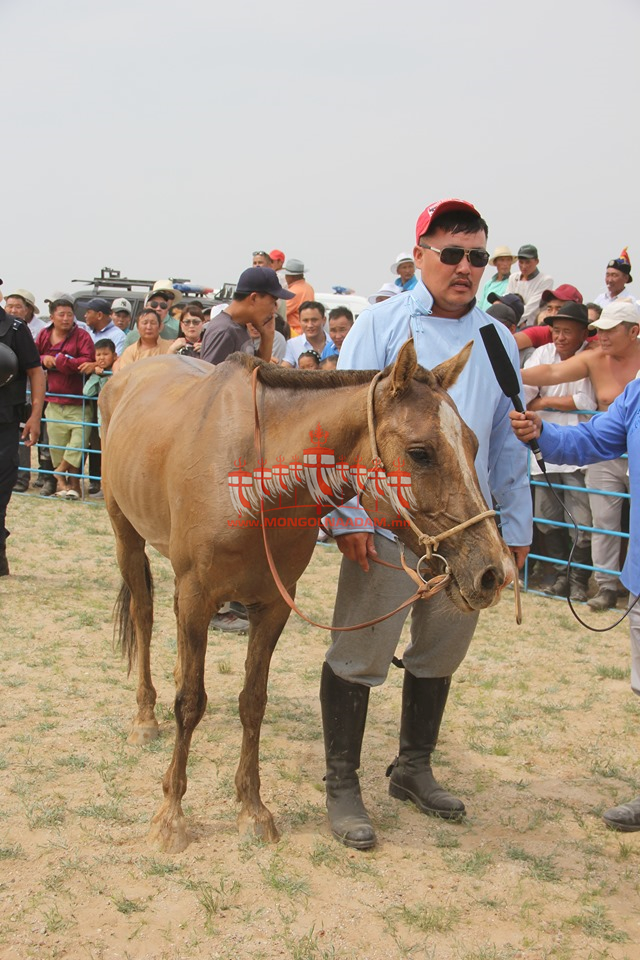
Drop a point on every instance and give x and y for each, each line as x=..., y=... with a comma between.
x=577, y=358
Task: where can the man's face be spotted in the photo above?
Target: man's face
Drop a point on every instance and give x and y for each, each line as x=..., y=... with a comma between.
x=261, y=260
x=16, y=307
x=277, y=264
x=95, y=319
x=105, y=358
x=452, y=287
x=121, y=319
x=263, y=307
x=338, y=329
x=503, y=265
x=160, y=305
x=311, y=322
x=553, y=307
x=617, y=341
x=568, y=336
x=615, y=281
x=527, y=266
x=149, y=326
x=406, y=270
x=62, y=318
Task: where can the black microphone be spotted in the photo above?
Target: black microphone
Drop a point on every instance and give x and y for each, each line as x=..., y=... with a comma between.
x=507, y=378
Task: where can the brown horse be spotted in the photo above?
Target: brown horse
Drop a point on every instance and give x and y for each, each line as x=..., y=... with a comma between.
x=175, y=428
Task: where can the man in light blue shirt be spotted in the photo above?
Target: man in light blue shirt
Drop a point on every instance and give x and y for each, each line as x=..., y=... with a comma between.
x=604, y=438
x=441, y=315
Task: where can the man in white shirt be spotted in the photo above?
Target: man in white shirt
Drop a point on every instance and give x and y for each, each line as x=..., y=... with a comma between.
x=558, y=404
x=313, y=336
x=617, y=276
x=529, y=283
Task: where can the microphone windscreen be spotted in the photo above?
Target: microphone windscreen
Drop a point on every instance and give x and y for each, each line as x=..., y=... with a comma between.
x=502, y=366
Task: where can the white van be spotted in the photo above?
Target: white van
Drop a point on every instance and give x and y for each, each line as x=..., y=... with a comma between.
x=350, y=300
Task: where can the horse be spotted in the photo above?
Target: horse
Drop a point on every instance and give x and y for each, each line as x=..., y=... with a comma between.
x=177, y=435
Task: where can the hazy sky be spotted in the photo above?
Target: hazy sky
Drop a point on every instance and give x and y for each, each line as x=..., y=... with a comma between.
x=174, y=138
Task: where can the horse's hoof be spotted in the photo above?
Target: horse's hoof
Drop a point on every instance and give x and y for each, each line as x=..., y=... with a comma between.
x=169, y=833
x=261, y=826
x=143, y=733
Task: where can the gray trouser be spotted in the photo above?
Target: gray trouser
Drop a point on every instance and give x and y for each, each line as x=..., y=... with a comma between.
x=607, y=513
x=634, y=630
x=440, y=632
x=547, y=507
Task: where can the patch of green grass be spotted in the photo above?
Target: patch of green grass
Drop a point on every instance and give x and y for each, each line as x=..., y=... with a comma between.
x=474, y=864
x=540, y=868
x=54, y=921
x=308, y=947
x=45, y=815
x=275, y=876
x=224, y=666
x=156, y=868
x=111, y=811
x=594, y=923
x=12, y=852
x=126, y=906
x=428, y=919
x=215, y=900
x=613, y=673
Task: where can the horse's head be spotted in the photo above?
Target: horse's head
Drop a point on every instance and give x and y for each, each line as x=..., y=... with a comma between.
x=420, y=433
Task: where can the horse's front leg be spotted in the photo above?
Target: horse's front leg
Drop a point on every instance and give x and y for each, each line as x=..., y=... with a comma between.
x=168, y=827
x=267, y=623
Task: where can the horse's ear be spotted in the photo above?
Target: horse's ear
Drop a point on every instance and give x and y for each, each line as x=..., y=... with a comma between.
x=403, y=369
x=448, y=372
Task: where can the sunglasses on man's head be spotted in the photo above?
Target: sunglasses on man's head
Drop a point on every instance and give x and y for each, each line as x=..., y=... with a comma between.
x=261, y=253
x=158, y=304
x=451, y=256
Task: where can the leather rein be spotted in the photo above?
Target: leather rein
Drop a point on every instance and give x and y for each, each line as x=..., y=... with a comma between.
x=424, y=588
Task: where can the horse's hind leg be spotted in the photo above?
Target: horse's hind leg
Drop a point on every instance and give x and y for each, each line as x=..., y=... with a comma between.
x=135, y=616
x=193, y=611
x=267, y=623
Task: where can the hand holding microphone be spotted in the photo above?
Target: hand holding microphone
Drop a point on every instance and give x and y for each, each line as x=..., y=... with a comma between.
x=527, y=426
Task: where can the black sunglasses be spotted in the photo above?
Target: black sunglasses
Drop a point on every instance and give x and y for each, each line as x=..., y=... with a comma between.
x=158, y=305
x=453, y=255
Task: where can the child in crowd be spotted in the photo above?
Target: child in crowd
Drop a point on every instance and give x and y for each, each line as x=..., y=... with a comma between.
x=106, y=356
x=191, y=327
x=309, y=360
x=329, y=363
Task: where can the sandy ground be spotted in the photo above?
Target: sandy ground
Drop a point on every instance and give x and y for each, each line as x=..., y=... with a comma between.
x=541, y=735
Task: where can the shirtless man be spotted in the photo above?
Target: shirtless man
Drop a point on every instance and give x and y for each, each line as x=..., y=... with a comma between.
x=610, y=365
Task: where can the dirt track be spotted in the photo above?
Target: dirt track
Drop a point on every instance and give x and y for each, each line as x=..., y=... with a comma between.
x=541, y=735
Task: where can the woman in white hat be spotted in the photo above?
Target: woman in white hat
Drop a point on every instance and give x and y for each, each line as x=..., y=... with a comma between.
x=502, y=259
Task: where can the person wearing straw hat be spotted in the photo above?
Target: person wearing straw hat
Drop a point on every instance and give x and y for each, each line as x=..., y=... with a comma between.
x=502, y=259
x=405, y=267
x=22, y=304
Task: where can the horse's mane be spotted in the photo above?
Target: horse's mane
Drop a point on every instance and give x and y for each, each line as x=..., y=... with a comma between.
x=292, y=379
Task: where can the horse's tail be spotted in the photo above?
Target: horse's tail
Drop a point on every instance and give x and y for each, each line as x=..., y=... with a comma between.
x=124, y=634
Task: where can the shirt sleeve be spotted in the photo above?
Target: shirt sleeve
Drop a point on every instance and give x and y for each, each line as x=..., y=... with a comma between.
x=602, y=438
x=84, y=353
x=538, y=335
x=28, y=354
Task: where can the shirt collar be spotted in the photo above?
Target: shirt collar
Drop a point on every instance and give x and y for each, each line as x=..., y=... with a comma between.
x=424, y=301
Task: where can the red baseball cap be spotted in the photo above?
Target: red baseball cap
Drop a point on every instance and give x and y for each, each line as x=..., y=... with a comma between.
x=277, y=255
x=435, y=209
x=565, y=292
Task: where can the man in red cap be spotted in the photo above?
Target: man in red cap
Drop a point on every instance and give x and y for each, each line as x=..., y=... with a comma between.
x=552, y=301
x=441, y=315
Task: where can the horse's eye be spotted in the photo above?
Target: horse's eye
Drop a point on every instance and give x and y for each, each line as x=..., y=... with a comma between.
x=421, y=456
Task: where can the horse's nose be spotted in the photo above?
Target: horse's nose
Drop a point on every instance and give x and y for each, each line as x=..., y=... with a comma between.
x=490, y=580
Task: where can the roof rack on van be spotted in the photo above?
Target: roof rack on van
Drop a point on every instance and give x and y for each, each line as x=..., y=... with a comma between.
x=111, y=278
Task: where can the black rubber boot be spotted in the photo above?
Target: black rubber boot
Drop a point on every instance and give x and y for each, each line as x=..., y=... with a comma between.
x=555, y=546
x=579, y=579
x=411, y=777
x=344, y=714
x=4, y=563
